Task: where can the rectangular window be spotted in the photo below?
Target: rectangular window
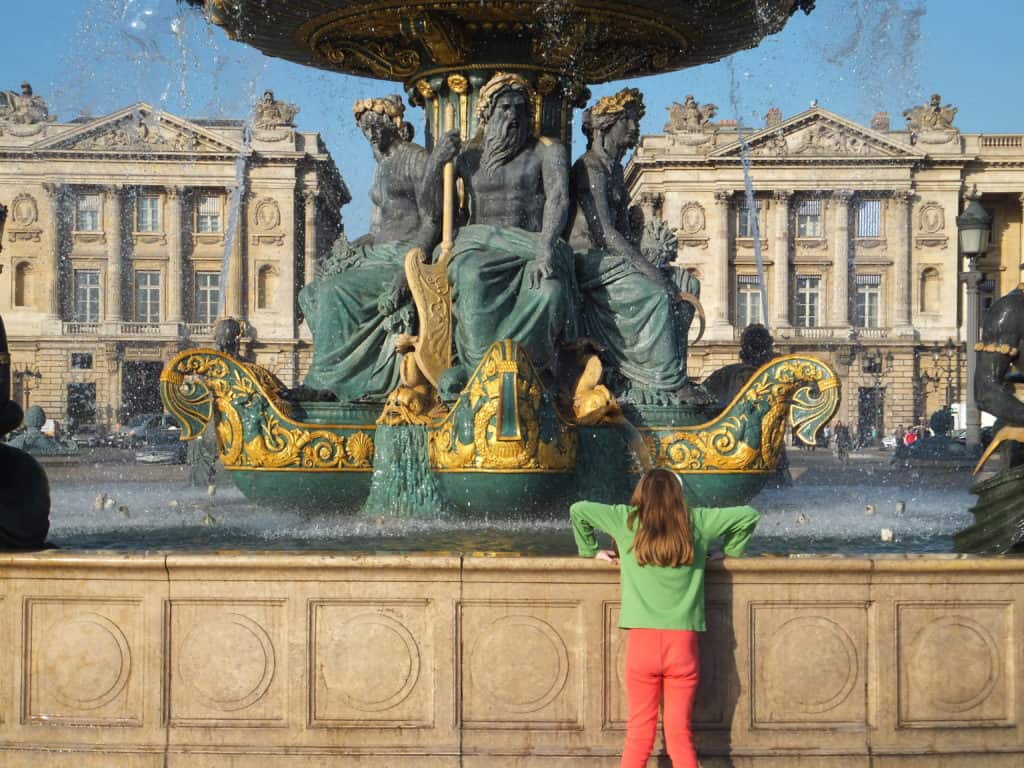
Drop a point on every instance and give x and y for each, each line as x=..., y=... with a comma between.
x=87, y=213
x=808, y=218
x=745, y=220
x=208, y=213
x=147, y=297
x=81, y=360
x=207, y=296
x=147, y=213
x=87, y=295
x=748, y=300
x=867, y=308
x=808, y=301
x=869, y=218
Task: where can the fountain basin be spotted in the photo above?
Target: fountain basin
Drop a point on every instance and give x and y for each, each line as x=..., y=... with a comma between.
x=284, y=659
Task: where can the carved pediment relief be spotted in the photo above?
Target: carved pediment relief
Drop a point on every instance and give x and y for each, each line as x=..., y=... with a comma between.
x=141, y=129
x=815, y=134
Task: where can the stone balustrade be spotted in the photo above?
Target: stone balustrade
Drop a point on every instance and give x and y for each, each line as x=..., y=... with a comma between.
x=280, y=659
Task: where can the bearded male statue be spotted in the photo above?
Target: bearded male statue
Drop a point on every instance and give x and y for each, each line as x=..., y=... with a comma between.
x=511, y=274
x=361, y=304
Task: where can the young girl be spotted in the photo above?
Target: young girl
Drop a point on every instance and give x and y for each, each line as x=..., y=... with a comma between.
x=663, y=548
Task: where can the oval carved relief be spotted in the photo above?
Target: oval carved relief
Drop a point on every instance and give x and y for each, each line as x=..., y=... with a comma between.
x=266, y=214
x=228, y=661
x=692, y=220
x=89, y=661
x=931, y=218
x=24, y=212
x=521, y=662
x=959, y=643
x=374, y=662
x=811, y=664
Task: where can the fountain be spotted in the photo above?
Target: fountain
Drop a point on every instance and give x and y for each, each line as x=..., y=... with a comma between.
x=518, y=388
x=462, y=658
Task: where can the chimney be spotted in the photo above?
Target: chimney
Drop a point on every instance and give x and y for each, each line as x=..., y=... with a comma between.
x=774, y=118
x=880, y=122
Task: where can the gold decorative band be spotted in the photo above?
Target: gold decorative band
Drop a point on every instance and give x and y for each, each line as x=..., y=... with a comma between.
x=507, y=366
x=999, y=349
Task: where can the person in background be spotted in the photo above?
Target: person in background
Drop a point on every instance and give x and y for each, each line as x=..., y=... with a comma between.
x=661, y=549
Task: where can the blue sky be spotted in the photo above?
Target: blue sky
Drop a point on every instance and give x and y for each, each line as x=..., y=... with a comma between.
x=856, y=57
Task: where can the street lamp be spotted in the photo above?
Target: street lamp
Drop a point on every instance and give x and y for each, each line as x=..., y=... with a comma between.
x=23, y=381
x=942, y=359
x=877, y=365
x=973, y=226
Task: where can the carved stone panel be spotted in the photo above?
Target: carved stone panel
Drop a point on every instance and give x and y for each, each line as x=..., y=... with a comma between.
x=82, y=662
x=23, y=223
x=371, y=664
x=956, y=668
x=266, y=222
x=808, y=665
x=931, y=225
x=719, y=681
x=522, y=665
x=227, y=663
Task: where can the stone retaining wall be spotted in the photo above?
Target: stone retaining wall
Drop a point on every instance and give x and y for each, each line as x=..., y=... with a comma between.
x=264, y=660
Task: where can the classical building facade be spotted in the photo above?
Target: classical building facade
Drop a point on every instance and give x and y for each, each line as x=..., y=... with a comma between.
x=129, y=235
x=842, y=239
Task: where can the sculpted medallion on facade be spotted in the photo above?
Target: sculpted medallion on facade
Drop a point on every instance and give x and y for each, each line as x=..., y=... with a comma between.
x=931, y=223
x=24, y=214
x=266, y=222
x=693, y=225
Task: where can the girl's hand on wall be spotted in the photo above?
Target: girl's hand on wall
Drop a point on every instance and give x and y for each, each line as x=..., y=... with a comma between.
x=608, y=555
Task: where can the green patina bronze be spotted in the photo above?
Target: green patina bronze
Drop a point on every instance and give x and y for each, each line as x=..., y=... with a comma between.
x=557, y=340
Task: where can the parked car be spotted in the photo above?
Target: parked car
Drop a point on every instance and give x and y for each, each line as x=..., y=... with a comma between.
x=90, y=436
x=134, y=432
x=162, y=446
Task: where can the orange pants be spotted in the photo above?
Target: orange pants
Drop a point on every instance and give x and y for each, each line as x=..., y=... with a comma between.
x=660, y=660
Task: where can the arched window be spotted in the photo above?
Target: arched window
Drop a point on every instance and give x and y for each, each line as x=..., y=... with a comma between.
x=23, y=285
x=930, y=290
x=266, y=286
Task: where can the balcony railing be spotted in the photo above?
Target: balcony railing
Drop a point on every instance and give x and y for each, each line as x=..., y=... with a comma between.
x=200, y=329
x=140, y=329
x=77, y=328
x=1004, y=141
x=810, y=333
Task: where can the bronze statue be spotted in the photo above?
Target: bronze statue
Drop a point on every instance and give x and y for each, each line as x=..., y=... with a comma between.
x=360, y=305
x=631, y=307
x=999, y=515
x=511, y=273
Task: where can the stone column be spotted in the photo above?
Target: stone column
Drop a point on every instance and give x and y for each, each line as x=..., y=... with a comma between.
x=56, y=199
x=901, y=300
x=780, y=310
x=115, y=251
x=309, y=200
x=720, y=259
x=235, y=279
x=175, y=258
x=841, y=258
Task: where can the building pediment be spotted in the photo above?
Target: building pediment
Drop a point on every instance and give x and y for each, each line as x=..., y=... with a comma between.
x=141, y=129
x=818, y=134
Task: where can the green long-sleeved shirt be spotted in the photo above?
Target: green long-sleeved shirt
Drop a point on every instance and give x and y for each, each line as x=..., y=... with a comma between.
x=656, y=597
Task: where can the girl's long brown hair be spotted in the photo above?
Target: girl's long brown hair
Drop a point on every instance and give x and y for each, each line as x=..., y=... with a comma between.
x=663, y=537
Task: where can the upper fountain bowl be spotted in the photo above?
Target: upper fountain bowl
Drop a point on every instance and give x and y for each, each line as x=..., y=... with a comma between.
x=593, y=41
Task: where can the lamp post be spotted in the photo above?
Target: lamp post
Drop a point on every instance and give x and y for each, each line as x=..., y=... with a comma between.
x=973, y=226
x=876, y=364
x=942, y=359
x=23, y=378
